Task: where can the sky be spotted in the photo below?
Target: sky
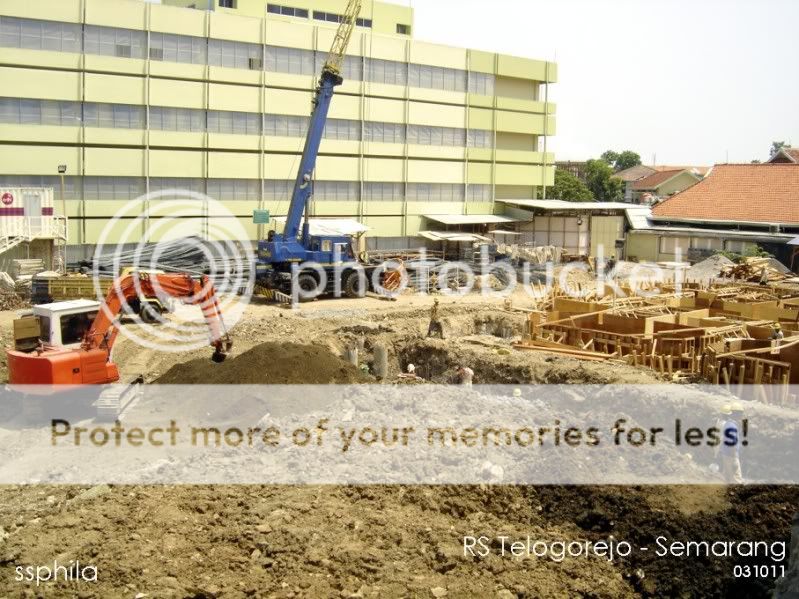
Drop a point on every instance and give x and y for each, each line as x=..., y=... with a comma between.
x=682, y=82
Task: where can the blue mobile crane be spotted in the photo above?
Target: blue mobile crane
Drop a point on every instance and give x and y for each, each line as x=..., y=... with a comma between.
x=280, y=251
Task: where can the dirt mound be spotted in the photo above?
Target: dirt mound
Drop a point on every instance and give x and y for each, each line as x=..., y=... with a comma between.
x=268, y=364
x=708, y=269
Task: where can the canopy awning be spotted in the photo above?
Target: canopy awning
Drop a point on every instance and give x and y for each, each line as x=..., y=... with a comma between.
x=330, y=226
x=470, y=219
x=453, y=236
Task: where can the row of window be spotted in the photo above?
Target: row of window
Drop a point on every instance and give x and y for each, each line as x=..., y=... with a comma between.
x=289, y=11
x=127, y=116
x=130, y=188
x=127, y=43
x=331, y=17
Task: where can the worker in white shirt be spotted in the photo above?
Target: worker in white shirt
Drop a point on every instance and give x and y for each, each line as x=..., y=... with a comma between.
x=465, y=375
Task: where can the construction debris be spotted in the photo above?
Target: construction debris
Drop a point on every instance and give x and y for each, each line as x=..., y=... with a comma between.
x=754, y=269
x=26, y=267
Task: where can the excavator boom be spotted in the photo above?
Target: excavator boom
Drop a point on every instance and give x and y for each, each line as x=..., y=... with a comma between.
x=91, y=363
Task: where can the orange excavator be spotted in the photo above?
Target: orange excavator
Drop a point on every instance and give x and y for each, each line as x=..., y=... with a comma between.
x=90, y=363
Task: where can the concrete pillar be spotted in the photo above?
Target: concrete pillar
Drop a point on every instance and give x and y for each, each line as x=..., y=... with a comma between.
x=381, y=361
x=352, y=355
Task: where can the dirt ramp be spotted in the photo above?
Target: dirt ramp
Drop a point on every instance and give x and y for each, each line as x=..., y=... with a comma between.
x=268, y=364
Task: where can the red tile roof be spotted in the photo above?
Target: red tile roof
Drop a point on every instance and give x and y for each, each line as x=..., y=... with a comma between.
x=767, y=193
x=785, y=155
x=793, y=153
x=655, y=180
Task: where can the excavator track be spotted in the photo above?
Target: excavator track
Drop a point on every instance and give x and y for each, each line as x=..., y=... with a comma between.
x=114, y=400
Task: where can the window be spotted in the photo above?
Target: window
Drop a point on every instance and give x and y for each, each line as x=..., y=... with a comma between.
x=235, y=55
x=74, y=326
x=290, y=60
x=113, y=41
x=335, y=191
x=671, y=245
x=278, y=190
x=278, y=125
x=176, y=187
x=425, y=135
x=113, y=116
x=178, y=48
x=33, y=34
x=71, y=184
x=342, y=129
x=435, y=192
x=403, y=29
x=363, y=22
x=479, y=138
x=113, y=188
x=329, y=17
x=234, y=189
x=384, y=132
x=227, y=3
x=386, y=71
x=479, y=193
x=420, y=75
x=40, y=112
x=481, y=83
x=164, y=118
x=383, y=192
x=237, y=123
x=289, y=11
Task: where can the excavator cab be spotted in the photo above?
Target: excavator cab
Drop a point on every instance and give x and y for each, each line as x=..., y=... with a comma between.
x=60, y=324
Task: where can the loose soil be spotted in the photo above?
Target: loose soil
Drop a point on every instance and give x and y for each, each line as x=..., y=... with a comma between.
x=375, y=541
x=268, y=364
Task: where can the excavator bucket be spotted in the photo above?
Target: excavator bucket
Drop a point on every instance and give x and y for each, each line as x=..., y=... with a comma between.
x=221, y=350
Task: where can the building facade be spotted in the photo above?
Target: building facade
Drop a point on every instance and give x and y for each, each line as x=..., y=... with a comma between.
x=137, y=97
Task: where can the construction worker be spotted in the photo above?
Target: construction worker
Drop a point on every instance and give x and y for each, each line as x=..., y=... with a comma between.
x=730, y=448
x=435, y=328
x=764, y=276
x=610, y=264
x=465, y=375
x=776, y=332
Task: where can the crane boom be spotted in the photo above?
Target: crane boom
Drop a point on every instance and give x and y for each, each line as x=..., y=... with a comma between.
x=328, y=81
x=335, y=60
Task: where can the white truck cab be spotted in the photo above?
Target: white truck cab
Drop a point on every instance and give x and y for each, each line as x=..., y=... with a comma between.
x=61, y=324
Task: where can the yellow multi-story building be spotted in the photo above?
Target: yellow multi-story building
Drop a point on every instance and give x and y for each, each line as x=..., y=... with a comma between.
x=213, y=96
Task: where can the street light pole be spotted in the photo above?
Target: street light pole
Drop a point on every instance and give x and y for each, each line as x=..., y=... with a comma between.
x=62, y=169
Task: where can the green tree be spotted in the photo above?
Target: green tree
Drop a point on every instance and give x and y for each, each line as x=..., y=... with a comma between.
x=610, y=157
x=626, y=159
x=569, y=188
x=621, y=161
x=601, y=182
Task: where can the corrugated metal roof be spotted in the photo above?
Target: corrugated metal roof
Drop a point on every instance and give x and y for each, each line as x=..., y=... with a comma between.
x=564, y=205
x=452, y=236
x=469, y=219
x=639, y=217
x=331, y=226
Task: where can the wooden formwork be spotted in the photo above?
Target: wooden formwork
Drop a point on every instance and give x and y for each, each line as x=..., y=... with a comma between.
x=770, y=378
